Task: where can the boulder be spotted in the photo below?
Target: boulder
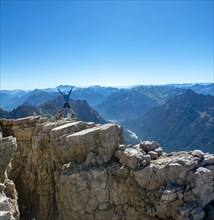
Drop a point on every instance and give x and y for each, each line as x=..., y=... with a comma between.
x=149, y=146
x=131, y=157
x=153, y=154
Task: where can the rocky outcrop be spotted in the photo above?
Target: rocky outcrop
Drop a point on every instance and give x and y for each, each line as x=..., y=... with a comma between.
x=77, y=170
x=8, y=195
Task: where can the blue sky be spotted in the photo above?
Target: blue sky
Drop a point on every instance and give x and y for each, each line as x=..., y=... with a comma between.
x=116, y=43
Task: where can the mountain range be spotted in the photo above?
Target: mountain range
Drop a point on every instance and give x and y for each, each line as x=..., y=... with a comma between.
x=173, y=115
x=96, y=95
x=52, y=108
x=133, y=103
x=10, y=99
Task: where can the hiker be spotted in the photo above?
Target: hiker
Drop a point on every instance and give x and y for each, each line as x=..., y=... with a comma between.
x=66, y=96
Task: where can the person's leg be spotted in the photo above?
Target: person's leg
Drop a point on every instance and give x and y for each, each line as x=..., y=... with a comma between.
x=62, y=113
x=72, y=113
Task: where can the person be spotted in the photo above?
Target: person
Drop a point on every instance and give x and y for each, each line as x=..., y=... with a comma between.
x=66, y=96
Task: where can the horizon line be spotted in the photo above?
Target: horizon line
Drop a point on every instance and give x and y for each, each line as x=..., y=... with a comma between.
x=112, y=86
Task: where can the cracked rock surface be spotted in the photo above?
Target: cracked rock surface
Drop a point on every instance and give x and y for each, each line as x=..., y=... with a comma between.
x=8, y=195
x=77, y=170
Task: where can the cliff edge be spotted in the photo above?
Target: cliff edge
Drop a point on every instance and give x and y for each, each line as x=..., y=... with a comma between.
x=79, y=170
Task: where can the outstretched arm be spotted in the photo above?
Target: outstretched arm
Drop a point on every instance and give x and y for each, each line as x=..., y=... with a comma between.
x=70, y=90
x=60, y=91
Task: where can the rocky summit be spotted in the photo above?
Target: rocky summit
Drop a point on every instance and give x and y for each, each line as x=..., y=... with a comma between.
x=79, y=170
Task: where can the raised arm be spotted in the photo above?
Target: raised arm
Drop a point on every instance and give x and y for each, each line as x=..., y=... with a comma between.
x=70, y=90
x=60, y=91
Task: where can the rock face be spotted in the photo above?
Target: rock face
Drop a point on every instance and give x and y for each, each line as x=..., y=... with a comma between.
x=8, y=195
x=76, y=170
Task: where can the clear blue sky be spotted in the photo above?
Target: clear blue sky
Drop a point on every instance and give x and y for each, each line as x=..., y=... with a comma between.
x=83, y=43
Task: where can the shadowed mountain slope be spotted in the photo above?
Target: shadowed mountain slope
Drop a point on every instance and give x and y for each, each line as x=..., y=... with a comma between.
x=182, y=123
x=125, y=104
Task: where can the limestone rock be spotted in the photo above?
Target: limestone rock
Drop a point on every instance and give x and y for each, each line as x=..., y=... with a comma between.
x=159, y=151
x=5, y=215
x=138, y=155
x=8, y=195
x=131, y=157
x=149, y=145
x=77, y=170
x=7, y=149
x=148, y=158
x=153, y=154
x=198, y=153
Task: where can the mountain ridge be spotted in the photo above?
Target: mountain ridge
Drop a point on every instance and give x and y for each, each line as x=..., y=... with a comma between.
x=181, y=123
x=94, y=95
x=124, y=105
x=52, y=109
